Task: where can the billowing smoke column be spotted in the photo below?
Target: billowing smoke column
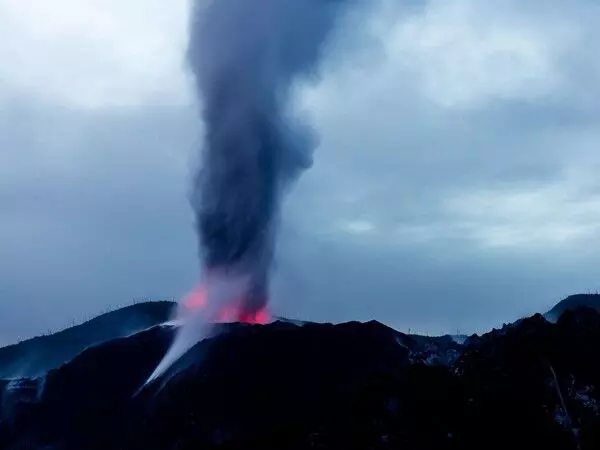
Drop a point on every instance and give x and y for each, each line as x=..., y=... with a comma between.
x=247, y=56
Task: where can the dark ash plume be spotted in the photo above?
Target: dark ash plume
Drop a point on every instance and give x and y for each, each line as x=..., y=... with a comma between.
x=246, y=56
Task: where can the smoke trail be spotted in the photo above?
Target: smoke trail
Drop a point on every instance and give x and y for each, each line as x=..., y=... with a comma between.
x=247, y=56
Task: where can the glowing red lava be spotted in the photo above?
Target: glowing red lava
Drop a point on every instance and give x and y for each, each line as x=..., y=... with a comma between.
x=197, y=299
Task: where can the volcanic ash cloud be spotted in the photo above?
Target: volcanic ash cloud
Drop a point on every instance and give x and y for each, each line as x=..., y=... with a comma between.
x=246, y=57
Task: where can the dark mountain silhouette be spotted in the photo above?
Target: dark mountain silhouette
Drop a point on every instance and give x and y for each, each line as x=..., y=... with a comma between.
x=573, y=302
x=36, y=356
x=286, y=385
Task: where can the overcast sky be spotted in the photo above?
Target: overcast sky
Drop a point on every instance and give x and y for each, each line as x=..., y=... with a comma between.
x=455, y=186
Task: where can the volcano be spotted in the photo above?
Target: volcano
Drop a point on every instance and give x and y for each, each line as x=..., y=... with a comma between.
x=295, y=385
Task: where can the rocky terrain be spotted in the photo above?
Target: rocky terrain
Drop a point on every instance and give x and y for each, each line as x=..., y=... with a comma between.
x=530, y=385
x=34, y=357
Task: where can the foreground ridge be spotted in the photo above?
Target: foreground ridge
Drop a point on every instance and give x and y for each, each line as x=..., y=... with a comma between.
x=532, y=384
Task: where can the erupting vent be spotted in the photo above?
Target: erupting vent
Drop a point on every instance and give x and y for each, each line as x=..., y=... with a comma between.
x=197, y=299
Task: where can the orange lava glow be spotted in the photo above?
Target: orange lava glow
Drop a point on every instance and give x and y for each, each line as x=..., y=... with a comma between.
x=197, y=299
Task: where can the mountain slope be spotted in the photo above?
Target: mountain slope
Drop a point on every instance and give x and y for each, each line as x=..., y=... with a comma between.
x=351, y=386
x=36, y=356
x=573, y=302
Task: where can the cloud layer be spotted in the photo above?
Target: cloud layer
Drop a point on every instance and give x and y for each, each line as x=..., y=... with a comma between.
x=453, y=188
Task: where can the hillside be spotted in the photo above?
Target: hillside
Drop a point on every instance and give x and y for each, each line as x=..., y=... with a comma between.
x=307, y=386
x=573, y=302
x=36, y=356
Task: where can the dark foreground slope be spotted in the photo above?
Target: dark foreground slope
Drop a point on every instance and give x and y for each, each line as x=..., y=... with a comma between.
x=36, y=356
x=348, y=386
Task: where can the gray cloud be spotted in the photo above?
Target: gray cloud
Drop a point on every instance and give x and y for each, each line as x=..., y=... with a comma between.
x=454, y=186
x=94, y=212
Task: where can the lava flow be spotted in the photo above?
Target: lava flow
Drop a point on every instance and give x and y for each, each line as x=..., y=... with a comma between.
x=197, y=299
